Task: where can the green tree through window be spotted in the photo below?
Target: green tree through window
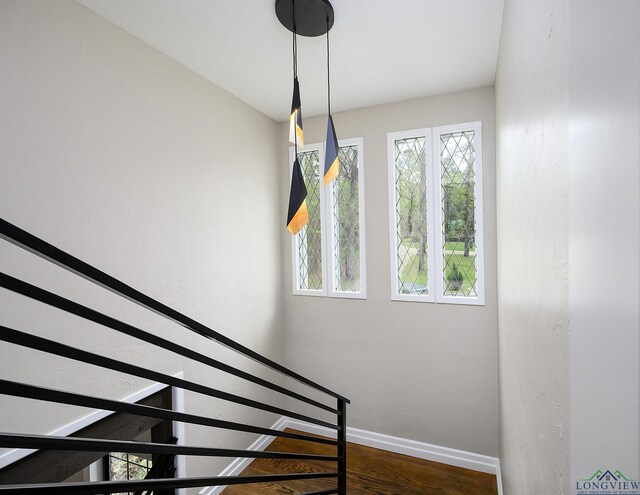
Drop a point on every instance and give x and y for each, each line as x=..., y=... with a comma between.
x=121, y=466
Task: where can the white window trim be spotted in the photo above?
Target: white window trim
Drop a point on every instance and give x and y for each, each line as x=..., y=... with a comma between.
x=326, y=227
x=295, y=239
x=435, y=286
x=478, y=210
x=391, y=148
x=333, y=292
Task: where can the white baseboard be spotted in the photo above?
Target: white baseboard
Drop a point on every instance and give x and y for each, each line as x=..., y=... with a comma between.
x=420, y=450
x=413, y=448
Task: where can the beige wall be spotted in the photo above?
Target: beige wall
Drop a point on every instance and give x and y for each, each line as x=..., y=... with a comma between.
x=126, y=159
x=532, y=189
x=416, y=370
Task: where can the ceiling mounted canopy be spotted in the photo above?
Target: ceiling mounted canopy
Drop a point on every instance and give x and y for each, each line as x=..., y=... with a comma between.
x=311, y=16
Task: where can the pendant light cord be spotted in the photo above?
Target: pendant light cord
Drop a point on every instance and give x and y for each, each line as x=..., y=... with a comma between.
x=295, y=72
x=295, y=43
x=328, y=78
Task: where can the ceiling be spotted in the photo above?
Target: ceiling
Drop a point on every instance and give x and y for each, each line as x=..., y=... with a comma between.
x=382, y=51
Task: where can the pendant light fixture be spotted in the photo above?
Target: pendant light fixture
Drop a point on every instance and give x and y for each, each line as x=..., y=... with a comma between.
x=331, y=161
x=306, y=18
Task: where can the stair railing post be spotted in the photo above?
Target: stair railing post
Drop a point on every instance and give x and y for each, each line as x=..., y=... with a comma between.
x=342, y=447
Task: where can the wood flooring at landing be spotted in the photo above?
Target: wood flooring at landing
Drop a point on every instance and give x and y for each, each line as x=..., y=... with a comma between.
x=369, y=472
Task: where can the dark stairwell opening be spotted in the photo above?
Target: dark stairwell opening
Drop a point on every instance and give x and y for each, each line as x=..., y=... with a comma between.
x=56, y=466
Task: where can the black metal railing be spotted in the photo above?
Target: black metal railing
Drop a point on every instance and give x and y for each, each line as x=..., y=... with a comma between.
x=44, y=250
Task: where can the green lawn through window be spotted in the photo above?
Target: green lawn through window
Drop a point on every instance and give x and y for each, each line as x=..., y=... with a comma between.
x=454, y=254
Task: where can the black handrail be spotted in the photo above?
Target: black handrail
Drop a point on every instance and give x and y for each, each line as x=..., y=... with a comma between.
x=22, y=238
x=49, y=442
x=27, y=241
x=49, y=346
x=59, y=302
x=8, y=387
x=100, y=487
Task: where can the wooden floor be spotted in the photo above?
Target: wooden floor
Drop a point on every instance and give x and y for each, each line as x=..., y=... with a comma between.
x=370, y=472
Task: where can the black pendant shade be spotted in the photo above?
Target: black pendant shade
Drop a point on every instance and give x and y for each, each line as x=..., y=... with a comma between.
x=332, y=149
x=297, y=216
x=331, y=160
x=296, y=135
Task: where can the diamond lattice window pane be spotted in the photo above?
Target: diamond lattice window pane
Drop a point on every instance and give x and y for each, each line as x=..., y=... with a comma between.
x=346, y=222
x=411, y=215
x=310, y=236
x=457, y=156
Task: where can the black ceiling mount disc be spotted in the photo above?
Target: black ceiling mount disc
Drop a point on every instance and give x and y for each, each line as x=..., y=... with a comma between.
x=311, y=16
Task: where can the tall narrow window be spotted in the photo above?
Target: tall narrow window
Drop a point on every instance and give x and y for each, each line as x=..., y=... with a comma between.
x=328, y=253
x=410, y=187
x=347, y=219
x=458, y=158
x=308, y=242
x=435, y=214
